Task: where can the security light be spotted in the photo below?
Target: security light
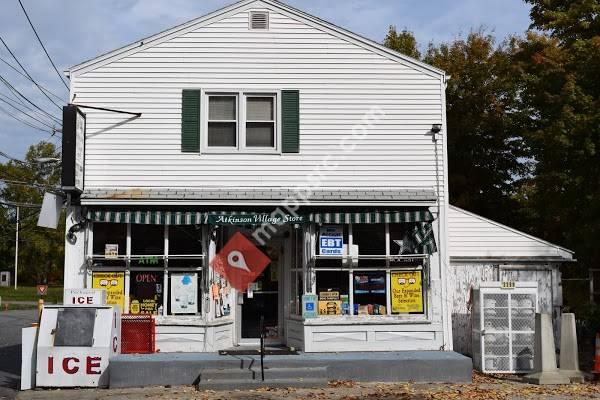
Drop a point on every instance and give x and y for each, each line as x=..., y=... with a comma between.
x=436, y=128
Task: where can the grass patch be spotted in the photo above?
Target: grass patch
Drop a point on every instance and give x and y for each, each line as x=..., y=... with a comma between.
x=13, y=306
x=29, y=293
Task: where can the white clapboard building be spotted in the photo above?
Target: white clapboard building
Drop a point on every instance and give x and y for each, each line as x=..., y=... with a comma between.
x=325, y=149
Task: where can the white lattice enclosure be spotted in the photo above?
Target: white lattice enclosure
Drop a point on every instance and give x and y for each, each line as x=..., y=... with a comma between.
x=504, y=326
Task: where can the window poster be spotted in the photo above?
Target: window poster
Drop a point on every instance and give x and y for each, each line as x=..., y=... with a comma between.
x=111, y=251
x=184, y=293
x=407, y=291
x=145, y=292
x=114, y=284
x=331, y=240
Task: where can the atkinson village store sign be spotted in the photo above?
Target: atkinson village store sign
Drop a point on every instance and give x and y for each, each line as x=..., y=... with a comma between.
x=255, y=219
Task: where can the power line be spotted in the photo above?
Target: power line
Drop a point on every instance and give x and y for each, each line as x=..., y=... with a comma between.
x=26, y=122
x=22, y=183
x=27, y=73
x=43, y=47
x=3, y=154
x=26, y=77
x=20, y=103
x=18, y=94
x=29, y=115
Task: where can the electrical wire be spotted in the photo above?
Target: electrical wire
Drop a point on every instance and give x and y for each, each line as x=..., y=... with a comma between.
x=26, y=77
x=20, y=103
x=27, y=73
x=26, y=123
x=43, y=47
x=27, y=184
x=29, y=115
x=3, y=154
x=18, y=94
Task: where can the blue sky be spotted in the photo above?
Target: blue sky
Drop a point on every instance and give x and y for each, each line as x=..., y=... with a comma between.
x=76, y=30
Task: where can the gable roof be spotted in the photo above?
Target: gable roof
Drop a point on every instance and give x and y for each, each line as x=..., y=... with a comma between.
x=472, y=237
x=276, y=5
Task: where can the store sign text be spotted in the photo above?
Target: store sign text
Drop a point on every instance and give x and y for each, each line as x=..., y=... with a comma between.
x=73, y=365
x=255, y=219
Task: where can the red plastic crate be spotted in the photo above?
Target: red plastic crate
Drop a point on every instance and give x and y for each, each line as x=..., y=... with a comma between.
x=138, y=334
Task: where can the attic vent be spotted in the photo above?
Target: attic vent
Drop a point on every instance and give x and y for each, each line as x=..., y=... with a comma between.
x=259, y=20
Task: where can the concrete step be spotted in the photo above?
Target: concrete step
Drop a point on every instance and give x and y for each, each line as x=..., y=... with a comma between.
x=245, y=384
x=294, y=373
x=209, y=374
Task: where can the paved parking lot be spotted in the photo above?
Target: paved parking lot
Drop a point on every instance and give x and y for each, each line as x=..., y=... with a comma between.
x=11, y=323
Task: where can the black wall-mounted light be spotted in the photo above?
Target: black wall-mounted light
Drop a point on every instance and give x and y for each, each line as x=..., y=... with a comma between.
x=436, y=128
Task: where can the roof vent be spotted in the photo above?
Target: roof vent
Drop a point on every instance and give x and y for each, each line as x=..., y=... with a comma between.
x=259, y=20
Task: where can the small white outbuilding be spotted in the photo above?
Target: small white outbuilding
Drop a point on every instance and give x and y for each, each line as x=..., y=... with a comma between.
x=484, y=250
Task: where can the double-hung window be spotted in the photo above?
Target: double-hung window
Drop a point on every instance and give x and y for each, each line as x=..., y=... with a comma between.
x=241, y=121
x=222, y=121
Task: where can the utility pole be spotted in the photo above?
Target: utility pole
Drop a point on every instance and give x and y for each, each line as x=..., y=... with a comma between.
x=17, y=248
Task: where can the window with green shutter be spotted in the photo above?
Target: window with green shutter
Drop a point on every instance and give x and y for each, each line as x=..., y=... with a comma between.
x=290, y=121
x=190, y=120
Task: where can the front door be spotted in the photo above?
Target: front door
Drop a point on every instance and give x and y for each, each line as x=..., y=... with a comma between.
x=262, y=299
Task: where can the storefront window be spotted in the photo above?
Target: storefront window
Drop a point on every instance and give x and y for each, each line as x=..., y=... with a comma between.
x=332, y=289
x=369, y=293
x=146, y=262
x=370, y=238
x=146, y=292
x=296, y=271
x=184, y=293
x=185, y=240
x=110, y=240
x=147, y=239
x=398, y=240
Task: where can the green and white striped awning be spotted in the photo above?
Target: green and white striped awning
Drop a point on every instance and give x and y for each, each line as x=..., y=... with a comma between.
x=154, y=217
x=372, y=217
x=148, y=217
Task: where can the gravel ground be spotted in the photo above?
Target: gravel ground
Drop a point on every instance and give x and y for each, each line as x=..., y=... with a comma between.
x=483, y=387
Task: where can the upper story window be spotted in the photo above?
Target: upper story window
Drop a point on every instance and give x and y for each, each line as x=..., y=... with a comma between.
x=260, y=121
x=241, y=122
x=222, y=121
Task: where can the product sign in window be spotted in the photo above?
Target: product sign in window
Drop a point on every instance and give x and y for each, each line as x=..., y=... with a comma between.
x=331, y=240
x=114, y=284
x=145, y=292
x=407, y=291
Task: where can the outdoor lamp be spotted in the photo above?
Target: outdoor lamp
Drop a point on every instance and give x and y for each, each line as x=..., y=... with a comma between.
x=436, y=128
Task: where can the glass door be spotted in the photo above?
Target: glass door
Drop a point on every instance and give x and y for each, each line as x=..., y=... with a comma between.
x=262, y=299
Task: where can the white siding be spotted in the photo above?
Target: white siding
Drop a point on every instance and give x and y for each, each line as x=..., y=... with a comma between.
x=339, y=81
x=473, y=236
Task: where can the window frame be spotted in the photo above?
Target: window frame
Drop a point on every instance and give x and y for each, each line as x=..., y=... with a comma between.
x=237, y=119
x=241, y=96
x=386, y=267
x=163, y=266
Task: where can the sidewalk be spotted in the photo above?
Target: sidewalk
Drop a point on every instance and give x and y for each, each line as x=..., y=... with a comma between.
x=483, y=387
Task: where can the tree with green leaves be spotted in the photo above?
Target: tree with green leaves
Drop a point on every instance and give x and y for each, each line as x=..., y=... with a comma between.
x=403, y=42
x=487, y=155
x=559, y=64
x=41, y=250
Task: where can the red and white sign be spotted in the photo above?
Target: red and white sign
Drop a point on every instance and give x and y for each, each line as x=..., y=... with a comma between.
x=240, y=261
x=42, y=290
x=84, y=297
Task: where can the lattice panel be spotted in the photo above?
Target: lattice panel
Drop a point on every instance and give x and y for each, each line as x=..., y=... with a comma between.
x=522, y=350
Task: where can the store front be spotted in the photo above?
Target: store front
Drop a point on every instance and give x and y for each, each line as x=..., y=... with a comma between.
x=367, y=275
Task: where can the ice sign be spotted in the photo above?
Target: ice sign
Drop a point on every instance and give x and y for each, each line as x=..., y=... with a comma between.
x=331, y=240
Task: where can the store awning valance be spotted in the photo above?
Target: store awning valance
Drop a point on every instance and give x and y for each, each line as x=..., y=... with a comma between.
x=196, y=217
x=148, y=217
x=373, y=217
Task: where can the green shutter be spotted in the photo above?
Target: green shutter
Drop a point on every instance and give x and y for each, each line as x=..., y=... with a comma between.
x=190, y=121
x=290, y=121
